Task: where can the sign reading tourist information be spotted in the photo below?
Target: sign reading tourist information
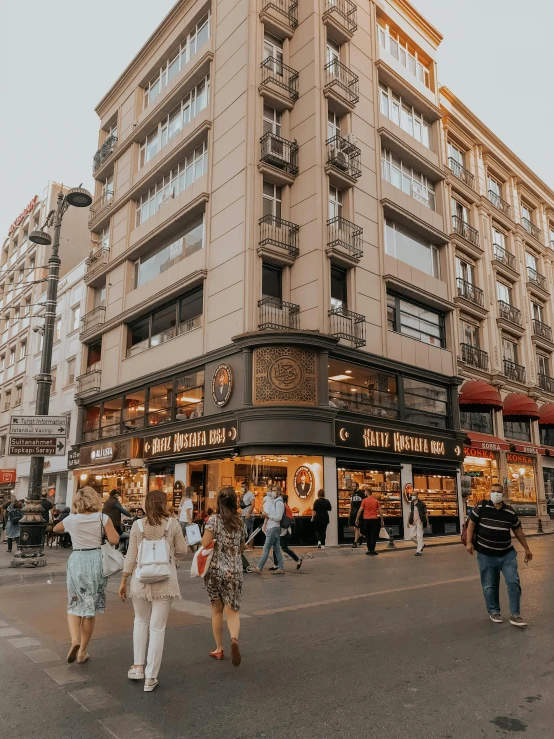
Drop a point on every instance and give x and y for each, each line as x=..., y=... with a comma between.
x=52, y=446
x=393, y=441
x=213, y=436
x=38, y=426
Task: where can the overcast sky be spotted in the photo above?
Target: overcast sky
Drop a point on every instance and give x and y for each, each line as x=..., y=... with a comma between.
x=59, y=57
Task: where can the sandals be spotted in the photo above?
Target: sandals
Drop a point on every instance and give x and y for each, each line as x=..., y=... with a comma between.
x=135, y=674
x=82, y=659
x=217, y=654
x=72, y=654
x=148, y=688
x=235, y=653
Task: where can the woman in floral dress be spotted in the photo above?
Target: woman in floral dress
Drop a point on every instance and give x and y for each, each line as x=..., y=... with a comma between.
x=224, y=578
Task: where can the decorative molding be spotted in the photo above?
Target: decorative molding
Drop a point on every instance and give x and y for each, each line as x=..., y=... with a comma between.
x=284, y=376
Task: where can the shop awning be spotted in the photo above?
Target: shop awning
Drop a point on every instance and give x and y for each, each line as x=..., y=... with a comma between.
x=547, y=415
x=485, y=441
x=479, y=395
x=528, y=449
x=517, y=405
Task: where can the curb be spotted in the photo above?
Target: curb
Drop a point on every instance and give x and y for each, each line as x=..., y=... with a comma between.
x=45, y=576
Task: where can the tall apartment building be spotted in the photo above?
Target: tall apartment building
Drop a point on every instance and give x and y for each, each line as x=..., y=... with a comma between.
x=270, y=286
x=23, y=272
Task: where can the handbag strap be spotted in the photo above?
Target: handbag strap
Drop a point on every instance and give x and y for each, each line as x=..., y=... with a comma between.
x=103, y=537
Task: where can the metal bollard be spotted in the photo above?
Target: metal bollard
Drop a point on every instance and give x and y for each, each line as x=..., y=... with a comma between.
x=540, y=529
x=391, y=544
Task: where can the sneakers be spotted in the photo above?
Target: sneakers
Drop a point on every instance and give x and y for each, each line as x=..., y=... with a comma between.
x=256, y=571
x=355, y=545
x=496, y=618
x=418, y=554
x=278, y=571
x=517, y=621
x=322, y=546
x=299, y=563
x=272, y=569
x=319, y=545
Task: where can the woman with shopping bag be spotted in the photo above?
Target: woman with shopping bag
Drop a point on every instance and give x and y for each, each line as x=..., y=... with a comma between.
x=154, y=543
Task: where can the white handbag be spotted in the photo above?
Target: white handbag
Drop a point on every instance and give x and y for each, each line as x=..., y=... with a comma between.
x=112, y=559
x=192, y=532
x=153, y=562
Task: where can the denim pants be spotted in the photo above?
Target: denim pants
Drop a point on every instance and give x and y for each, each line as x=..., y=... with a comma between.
x=272, y=541
x=285, y=540
x=490, y=569
x=249, y=523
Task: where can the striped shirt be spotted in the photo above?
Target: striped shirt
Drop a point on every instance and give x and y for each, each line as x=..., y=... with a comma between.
x=494, y=527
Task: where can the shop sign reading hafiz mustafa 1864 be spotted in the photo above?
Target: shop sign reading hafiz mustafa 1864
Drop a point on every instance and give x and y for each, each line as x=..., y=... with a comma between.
x=189, y=440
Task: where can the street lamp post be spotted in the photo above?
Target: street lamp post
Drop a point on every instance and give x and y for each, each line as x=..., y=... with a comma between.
x=30, y=552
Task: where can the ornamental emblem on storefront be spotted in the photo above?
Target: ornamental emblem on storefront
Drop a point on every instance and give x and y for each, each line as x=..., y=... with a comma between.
x=304, y=482
x=285, y=374
x=222, y=384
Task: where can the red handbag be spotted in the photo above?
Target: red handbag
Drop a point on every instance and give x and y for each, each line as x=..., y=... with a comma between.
x=202, y=560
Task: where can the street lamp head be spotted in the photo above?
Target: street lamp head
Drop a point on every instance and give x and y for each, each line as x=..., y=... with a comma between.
x=40, y=237
x=79, y=197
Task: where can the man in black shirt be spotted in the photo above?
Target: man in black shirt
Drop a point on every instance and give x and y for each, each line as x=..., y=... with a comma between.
x=356, y=498
x=489, y=533
x=46, y=506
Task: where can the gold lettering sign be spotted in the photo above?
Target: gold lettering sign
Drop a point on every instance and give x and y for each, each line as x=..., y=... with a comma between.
x=401, y=443
x=183, y=441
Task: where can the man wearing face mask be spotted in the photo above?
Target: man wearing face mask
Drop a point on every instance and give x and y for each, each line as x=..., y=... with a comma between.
x=273, y=510
x=489, y=533
x=417, y=521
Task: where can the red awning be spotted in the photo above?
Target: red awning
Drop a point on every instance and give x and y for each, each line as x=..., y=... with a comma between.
x=528, y=449
x=517, y=405
x=547, y=415
x=484, y=441
x=479, y=394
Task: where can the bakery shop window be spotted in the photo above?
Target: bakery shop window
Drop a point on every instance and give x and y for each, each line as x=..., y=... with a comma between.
x=522, y=488
x=189, y=396
x=520, y=430
x=477, y=421
x=356, y=388
x=160, y=398
x=384, y=485
x=439, y=493
x=480, y=471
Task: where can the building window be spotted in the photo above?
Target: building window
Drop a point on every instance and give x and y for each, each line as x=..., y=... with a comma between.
x=94, y=356
x=107, y=189
x=479, y=422
x=7, y=400
x=504, y=293
x=459, y=211
x=509, y=350
x=12, y=357
x=469, y=333
x=169, y=69
x=18, y=395
x=22, y=350
x=339, y=290
x=196, y=100
x=537, y=312
x=465, y=271
x=91, y=424
x=134, y=406
x=182, y=176
x=16, y=315
x=409, y=247
x=519, y=430
x=160, y=402
x=415, y=62
x=272, y=279
x=27, y=308
x=455, y=153
x=75, y=318
x=58, y=330
x=364, y=390
x=2, y=362
x=189, y=396
x=333, y=124
x=407, y=179
x=54, y=375
x=2, y=445
x=551, y=235
x=271, y=121
x=335, y=202
x=273, y=49
x=102, y=239
x=494, y=186
x=425, y=404
x=70, y=371
x=167, y=322
x=543, y=365
x=271, y=200
x=526, y=212
x=399, y=111
x=418, y=321
x=111, y=418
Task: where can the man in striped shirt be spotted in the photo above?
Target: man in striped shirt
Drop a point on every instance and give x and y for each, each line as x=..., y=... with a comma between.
x=489, y=533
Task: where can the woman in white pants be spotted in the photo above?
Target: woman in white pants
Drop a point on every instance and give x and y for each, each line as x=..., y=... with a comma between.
x=152, y=601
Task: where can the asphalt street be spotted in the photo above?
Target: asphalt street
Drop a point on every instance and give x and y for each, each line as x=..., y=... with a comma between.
x=389, y=646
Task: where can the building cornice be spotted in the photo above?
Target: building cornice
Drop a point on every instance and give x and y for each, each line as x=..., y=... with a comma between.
x=406, y=9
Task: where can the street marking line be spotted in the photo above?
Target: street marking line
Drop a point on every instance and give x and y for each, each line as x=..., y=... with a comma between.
x=94, y=699
x=66, y=674
x=359, y=596
x=10, y=632
x=24, y=641
x=129, y=726
x=197, y=609
x=40, y=656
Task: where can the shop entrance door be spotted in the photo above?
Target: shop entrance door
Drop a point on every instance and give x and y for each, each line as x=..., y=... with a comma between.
x=198, y=481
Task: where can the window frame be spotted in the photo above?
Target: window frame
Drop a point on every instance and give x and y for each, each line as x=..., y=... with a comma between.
x=390, y=164
x=395, y=101
x=397, y=298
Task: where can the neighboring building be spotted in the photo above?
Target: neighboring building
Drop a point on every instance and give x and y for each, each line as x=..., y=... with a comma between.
x=23, y=271
x=502, y=231
x=270, y=291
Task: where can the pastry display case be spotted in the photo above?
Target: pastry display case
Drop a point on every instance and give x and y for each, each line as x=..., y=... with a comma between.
x=440, y=494
x=384, y=485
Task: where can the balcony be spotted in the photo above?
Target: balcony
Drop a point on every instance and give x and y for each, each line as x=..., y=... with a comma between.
x=96, y=261
x=546, y=383
x=513, y=371
x=509, y=313
x=470, y=292
x=463, y=174
x=536, y=279
x=100, y=207
x=498, y=203
x=531, y=228
x=88, y=383
x=504, y=257
x=541, y=330
x=343, y=161
x=278, y=240
x=466, y=231
x=93, y=319
x=280, y=16
x=347, y=325
x=107, y=148
x=342, y=86
x=340, y=15
x=277, y=314
x=278, y=159
x=279, y=83
x=344, y=241
x=475, y=357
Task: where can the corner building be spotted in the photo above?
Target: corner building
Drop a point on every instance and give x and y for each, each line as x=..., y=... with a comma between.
x=270, y=296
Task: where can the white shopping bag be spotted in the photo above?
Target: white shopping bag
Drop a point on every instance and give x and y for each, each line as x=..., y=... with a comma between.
x=193, y=534
x=383, y=533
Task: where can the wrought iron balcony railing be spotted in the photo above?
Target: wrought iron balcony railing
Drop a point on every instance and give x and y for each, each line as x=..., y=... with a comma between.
x=100, y=205
x=503, y=256
x=542, y=330
x=346, y=235
x=280, y=233
x=347, y=325
x=93, y=318
x=531, y=228
x=279, y=152
x=346, y=9
x=338, y=75
x=546, y=382
x=475, y=357
x=498, y=203
x=276, y=313
x=509, y=312
x=536, y=278
x=274, y=71
x=514, y=371
x=104, y=152
x=288, y=8
x=461, y=173
x=466, y=231
x=89, y=382
x=344, y=156
x=98, y=259
x=470, y=292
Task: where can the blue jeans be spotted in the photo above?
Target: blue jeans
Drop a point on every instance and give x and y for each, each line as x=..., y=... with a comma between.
x=285, y=540
x=249, y=523
x=272, y=541
x=490, y=569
